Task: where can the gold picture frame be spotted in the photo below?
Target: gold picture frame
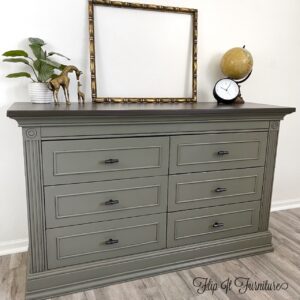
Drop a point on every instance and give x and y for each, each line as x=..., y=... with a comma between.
x=149, y=7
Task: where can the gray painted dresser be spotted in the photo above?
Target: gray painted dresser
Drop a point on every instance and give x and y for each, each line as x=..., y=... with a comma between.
x=118, y=192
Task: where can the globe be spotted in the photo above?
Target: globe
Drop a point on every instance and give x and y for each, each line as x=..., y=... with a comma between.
x=237, y=63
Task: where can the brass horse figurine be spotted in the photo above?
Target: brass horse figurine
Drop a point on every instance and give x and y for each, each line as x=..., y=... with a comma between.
x=63, y=81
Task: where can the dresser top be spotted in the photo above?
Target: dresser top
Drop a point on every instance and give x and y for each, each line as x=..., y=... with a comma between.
x=27, y=109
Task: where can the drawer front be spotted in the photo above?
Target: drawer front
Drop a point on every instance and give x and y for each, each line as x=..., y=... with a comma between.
x=85, y=243
x=214, y=188
x=207, y=152
x=107, y=200
x=103, y=159
x=206, y=224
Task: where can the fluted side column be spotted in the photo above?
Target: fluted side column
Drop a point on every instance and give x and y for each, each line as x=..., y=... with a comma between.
x=35, y=199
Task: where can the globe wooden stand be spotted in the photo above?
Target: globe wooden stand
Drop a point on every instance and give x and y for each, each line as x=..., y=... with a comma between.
x=240, y=99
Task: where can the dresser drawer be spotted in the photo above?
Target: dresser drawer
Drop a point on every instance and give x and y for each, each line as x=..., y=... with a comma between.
x=206, y=224
x=103, y=159
x=207, y=152
x=85, y=243
x=205, y=189
x=107, y=200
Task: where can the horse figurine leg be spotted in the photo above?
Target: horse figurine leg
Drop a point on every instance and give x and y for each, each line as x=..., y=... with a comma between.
x=66, y=89
x=55, y=97
x=54, y=87
x=66, y=92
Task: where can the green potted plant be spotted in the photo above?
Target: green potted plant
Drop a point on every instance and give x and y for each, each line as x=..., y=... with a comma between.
x=42, y=68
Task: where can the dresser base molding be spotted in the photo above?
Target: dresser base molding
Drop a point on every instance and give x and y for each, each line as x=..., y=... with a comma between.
x=98, y=274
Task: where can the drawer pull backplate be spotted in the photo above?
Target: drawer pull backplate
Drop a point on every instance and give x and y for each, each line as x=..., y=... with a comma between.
x=220, y=190
x=223, y=152
x=111, y=202
x=111, y=242
x=111, y=161
x=218, y=225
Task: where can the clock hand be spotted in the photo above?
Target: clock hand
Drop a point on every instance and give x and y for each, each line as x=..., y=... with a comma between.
x=228, y=86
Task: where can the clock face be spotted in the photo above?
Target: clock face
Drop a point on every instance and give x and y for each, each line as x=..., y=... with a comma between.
x=227, y=89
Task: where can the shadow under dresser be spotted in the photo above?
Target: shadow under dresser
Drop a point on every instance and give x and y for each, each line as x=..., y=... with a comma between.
x=122, y=191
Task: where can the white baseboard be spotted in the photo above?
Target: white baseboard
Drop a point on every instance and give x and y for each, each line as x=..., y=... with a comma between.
x=285, y=204
x=21, y=245
x=14, y=246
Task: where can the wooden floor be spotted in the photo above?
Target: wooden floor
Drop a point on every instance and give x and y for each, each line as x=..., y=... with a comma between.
x=283, y=265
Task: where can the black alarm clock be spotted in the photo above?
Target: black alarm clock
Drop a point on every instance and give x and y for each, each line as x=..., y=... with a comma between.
x=226, y=91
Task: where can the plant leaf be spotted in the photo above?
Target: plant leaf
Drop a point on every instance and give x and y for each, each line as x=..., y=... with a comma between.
x=45, y=72
x=37, y=65
x=58, y=54
x=14, y=53
x=51, y=63
x=17, y=60
x=38, y=51
x=20, y=74
x=36, y=41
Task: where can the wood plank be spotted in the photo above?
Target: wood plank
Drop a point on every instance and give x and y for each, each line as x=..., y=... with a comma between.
x=13, y=276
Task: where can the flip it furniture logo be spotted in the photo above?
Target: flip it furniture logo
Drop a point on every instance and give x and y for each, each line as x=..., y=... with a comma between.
x=241, y=285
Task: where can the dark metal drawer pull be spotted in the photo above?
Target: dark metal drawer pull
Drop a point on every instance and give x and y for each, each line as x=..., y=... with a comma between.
x=111, y=242
x=220, y=190
x=111, y=161
x=112, y=202
x=223, y=152
x=218, y=225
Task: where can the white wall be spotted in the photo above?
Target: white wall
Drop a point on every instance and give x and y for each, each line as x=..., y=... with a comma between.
x=269, y=28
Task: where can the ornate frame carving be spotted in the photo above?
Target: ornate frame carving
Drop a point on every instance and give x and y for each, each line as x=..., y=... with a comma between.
x=193, y=12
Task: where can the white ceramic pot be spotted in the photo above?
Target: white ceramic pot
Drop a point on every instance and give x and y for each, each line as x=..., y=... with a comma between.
x=39, y=93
